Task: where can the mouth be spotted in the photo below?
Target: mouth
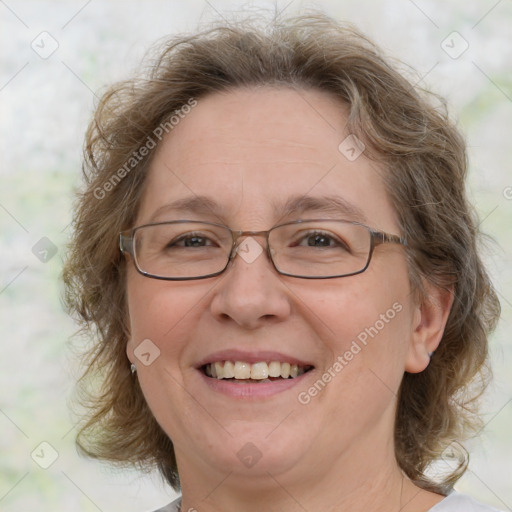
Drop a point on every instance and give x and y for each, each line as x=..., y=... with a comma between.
x=243, y=372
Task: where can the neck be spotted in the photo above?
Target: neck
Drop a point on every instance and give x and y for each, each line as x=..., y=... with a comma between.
x=355, y=484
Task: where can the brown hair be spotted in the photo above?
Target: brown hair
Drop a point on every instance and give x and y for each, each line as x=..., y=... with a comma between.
x=425, y=161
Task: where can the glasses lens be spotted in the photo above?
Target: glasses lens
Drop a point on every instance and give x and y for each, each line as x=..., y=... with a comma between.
x=182, y=249
x=320, y=248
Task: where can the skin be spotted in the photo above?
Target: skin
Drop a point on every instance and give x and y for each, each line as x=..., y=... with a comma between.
x=248, y=149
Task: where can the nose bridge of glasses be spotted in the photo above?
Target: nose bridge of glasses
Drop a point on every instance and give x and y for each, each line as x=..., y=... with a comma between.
x=240, y=236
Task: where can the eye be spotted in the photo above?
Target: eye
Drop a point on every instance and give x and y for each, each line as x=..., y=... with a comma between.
x=321, y=239
x=190, y=240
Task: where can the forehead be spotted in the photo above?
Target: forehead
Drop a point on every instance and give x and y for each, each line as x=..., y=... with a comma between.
x=254, y=151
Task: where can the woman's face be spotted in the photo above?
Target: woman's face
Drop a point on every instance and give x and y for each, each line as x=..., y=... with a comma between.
x=250, y=152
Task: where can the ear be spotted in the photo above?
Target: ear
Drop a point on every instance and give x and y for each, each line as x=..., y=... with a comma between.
x=430, y=317
x=129, y=347
x=129, y=350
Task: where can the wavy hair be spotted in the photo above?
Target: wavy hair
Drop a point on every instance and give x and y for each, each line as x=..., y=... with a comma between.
x=404, y=128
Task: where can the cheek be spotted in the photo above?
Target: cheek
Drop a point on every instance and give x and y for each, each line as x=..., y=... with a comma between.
x=364, y=323
x=161, y=311
x=365, y=330
x=360, y=306
x=163, y=316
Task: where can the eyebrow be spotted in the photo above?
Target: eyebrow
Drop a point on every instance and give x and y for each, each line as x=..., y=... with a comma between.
x=329, y=205
x=295, y=205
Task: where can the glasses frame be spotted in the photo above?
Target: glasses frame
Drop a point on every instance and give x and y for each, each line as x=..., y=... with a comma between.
x=377, y=238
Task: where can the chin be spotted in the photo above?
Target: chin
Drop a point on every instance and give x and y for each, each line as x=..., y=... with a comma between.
x=254, y=452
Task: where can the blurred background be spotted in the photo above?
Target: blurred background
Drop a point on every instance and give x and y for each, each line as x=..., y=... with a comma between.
x=56, y=56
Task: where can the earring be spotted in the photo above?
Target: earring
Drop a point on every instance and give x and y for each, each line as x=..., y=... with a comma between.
x=430, y=354
x=133, y=368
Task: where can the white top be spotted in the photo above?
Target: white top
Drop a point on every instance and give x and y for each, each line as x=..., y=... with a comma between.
x=457, y=502
x=454, y=502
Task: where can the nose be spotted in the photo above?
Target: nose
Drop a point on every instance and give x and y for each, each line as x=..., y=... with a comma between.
x=251, y=293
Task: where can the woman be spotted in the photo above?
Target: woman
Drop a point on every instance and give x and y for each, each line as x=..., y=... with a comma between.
x=276, y=255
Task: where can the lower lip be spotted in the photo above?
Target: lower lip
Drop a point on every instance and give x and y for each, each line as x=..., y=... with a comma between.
x=261, y=390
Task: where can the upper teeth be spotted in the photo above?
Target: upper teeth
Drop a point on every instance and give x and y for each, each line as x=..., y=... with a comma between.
x=257, y=371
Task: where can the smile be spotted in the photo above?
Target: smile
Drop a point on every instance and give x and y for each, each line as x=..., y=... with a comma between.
x=262, y=371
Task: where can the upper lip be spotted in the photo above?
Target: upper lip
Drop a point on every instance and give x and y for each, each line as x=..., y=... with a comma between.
x=251, y=357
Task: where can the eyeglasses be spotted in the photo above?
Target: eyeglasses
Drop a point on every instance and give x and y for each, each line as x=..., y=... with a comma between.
x=309, y=249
